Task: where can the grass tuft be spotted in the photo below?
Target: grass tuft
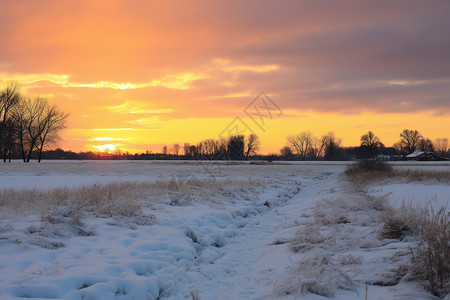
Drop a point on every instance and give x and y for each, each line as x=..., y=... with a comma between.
x=431, y=256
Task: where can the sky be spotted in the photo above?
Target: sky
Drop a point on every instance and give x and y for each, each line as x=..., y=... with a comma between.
x=137, y=75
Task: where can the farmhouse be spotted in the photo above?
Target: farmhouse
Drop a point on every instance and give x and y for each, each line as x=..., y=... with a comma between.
x=424, y=156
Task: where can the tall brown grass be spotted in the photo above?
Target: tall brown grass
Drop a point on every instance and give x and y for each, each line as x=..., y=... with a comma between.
x=431, y=256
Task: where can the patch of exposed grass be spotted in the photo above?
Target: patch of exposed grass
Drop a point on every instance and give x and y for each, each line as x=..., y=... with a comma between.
x=362, y=176
x=125, y=199
x=423, y=175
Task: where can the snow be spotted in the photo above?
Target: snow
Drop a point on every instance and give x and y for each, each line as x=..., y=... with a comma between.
x=232, y=240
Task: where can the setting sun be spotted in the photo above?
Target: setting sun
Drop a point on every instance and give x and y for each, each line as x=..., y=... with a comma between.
x=106, y=148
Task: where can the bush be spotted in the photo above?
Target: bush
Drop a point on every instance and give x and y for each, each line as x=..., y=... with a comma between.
x=369, y=165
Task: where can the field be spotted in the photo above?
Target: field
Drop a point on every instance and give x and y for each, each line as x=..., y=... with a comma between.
x=190, y=230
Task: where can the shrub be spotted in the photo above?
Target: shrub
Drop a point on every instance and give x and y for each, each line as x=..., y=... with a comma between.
x=369, y=165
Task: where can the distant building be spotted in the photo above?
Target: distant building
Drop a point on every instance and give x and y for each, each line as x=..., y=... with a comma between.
x=424, y=156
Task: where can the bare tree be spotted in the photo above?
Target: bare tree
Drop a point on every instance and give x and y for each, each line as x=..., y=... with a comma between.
x=442, y=147
x=252, y=145
x=51, y=123
x=186, y=149
x=372, y=142
x=318, y=146
x=37, y=124
x=307, y=145
x=301, y=143
x=208, y=148
x=20, y=119
x=425, y=144
x=222, y=146
x=176, y=149
x=27, y=115
x=164, y=150
x=409, y=140
x=9, y=97
x=398, y=148
x=9, y=138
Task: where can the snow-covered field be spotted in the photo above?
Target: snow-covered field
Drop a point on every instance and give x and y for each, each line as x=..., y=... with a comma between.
x=170, y=230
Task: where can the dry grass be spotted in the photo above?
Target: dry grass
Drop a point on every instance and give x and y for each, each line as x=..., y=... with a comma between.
x=400, y=222
x=367, y=178
x=195, y=295
x=123, y=198
x=318, y=274
x=430, y=261
x=119, y=198
x=307, y=239
x=423, y=175
x=340, y=225
x=431, y=256
x=349, y=210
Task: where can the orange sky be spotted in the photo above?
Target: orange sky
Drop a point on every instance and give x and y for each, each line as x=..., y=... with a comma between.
x=140, y=74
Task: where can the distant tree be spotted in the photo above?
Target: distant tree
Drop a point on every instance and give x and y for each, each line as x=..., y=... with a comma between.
x=164, y=150
x=286, y=152
x=398, y=148
x=333, y=149
x=301, y=144
x=409, y=141
x=208, y=148
x=372, y=143
x=306, y=145
x=186, y=147
x=176, y=149
x=193, y=151
x=318, y=146
x=252, y=145
x=236, y=146
x=223, y=148
x=425, y=144
x=442, y=147
x=9, y=139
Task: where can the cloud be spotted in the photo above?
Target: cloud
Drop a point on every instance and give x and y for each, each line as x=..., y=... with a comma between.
x=146, y=63
x=114, y=129
x=108, y=139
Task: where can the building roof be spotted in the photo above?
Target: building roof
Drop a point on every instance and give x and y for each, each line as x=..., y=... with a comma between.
x=424, y=155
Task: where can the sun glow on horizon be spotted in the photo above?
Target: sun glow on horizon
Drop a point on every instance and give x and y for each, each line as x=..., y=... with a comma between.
x=106, y=147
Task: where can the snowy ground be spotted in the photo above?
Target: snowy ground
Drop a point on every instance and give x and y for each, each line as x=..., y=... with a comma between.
x=253, y=231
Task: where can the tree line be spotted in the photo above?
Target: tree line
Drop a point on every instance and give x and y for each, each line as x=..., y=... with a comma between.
x=306, y=146
x=234, y=147
x=27, y=124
